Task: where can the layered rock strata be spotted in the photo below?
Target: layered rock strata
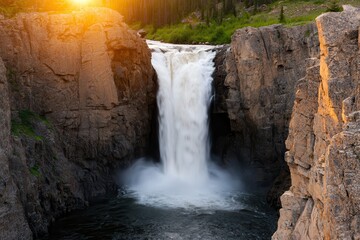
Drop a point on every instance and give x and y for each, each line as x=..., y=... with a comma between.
x=78, y=92
x=324, y=139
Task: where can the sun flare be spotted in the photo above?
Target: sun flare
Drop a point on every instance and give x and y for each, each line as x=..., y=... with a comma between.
x=81, y=2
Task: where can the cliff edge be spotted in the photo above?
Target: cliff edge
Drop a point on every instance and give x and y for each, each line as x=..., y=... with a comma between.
x=323, y=144
x=261, y=68
x=77, y=97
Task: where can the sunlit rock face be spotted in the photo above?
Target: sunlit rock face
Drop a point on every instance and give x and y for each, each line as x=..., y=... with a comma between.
x=323, y=144
x=86, y=71
x=91, y=77
x=262, y=67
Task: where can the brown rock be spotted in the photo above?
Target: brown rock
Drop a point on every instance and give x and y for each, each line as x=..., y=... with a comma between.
x=78, y=69
x=91, y=77
x=323, y=138
x=96, y=81
x=263, y=66
x=12, y=218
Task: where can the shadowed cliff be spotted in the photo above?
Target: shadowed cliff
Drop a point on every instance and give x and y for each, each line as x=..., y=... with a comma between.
x=257, y=90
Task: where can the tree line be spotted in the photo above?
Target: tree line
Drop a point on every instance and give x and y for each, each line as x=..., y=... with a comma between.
x=167, y=12
x=154, y=12
x=163, y=12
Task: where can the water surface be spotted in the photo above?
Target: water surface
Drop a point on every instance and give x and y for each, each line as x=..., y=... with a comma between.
x=123, y=218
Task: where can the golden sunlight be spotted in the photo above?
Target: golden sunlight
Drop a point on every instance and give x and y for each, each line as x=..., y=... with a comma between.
x=81, y=2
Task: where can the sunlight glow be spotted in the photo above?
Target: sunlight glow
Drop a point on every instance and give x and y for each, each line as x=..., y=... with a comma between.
x=81, y=2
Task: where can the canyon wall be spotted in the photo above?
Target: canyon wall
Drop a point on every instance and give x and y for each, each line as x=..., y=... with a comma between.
x=77, y=93
x=77, y=97
x=262, y=67
x=323, y=144
x=13, y=224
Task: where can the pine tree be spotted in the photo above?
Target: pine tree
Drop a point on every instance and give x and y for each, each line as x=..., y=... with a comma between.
x=255, y=10
x=282, y=15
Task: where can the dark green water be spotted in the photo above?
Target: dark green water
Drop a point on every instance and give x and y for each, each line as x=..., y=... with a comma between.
x=122, y=218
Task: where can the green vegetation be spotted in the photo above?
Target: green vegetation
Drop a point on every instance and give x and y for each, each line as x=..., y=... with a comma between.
x=334, y=6
x=288, y=12
x=282, y=15
x=196, y=21
x=35, y=171
x=25, y=122
x=182, y=33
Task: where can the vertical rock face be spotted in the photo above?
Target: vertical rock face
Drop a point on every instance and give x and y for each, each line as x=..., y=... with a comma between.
x=12, y=218
x=323, y=201
x=85, y=71
x=262, y=67
x=80, y=90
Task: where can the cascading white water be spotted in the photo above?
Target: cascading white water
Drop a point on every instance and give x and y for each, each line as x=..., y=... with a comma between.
x=185, y=178
x=184, y=75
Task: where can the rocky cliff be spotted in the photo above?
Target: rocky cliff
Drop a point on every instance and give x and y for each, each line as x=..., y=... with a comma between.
x=323, y=144
x=77, y=95
x=262, y=67
x=13, y=224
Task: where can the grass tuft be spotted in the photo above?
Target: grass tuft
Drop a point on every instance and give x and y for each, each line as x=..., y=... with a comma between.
x=35, y=171
x=24, y=125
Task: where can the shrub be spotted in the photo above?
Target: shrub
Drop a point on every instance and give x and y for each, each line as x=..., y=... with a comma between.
x=181, y=35
x=24, y=124
x=35, y=171
x=334, y=6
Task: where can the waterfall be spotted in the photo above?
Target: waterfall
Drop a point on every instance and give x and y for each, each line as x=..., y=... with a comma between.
x=186, y=177
x=184, y=75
